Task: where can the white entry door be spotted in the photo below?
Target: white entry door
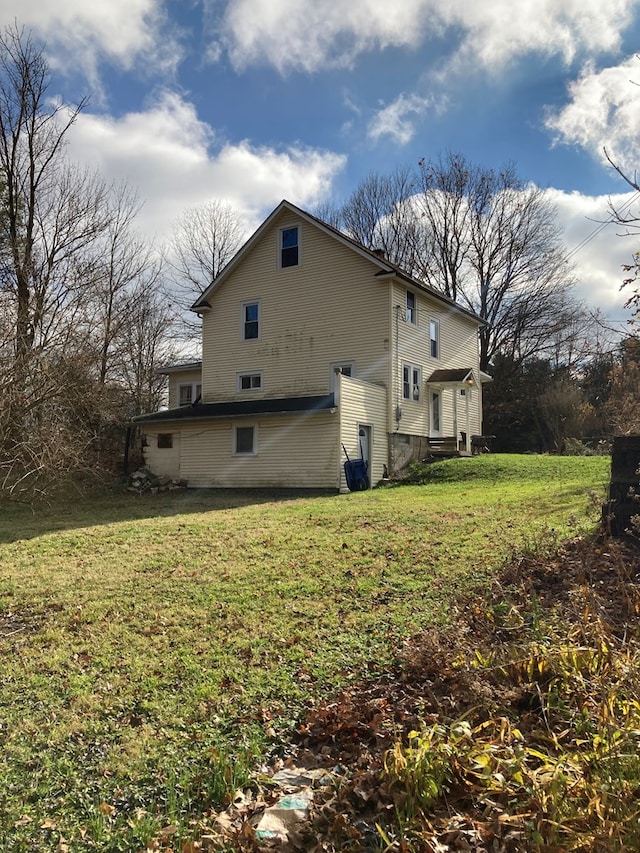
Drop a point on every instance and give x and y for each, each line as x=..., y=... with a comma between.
x=436, y=413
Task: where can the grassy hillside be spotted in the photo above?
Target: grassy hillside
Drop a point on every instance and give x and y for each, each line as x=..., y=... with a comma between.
x=152, y=647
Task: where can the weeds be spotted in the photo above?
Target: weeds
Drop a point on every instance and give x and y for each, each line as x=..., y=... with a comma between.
x=153, y=649
x=561, y=764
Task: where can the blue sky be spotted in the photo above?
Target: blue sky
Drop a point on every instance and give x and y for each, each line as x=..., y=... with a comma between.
x=252, y=101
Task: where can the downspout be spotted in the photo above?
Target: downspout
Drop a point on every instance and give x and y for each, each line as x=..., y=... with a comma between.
x=398, y=371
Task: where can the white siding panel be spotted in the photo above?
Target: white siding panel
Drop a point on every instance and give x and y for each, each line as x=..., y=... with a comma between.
x=361, y=403
x=458, y=347
x=298, y=451
x=184, y=377
x=162, y=461
x=330, y=308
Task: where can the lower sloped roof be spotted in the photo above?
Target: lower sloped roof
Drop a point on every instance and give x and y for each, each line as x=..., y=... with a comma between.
x=455, y=374
x=241, y=408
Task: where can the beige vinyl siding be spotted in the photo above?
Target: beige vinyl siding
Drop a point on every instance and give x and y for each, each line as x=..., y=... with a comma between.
x=300, y=451
x=329, y=309
x=361, y=403
x=458, y=347
x=184, y=377
x=163, y=461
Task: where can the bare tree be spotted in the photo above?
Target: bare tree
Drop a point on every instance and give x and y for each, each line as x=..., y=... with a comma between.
x=204, y=240
x=378, y=215
x=71, y=273
x=50, y=216
x=145, y=346
x=495, y=245
x=124, y=265
x=482, y=238
x=442, y=233
x=628, y=218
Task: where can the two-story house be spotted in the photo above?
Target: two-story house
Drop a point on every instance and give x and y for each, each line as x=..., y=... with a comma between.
x=313, y=345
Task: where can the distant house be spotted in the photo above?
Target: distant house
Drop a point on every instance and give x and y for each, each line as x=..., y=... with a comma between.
x=313, y=345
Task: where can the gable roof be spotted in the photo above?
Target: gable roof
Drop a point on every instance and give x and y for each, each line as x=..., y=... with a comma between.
x=385, y=267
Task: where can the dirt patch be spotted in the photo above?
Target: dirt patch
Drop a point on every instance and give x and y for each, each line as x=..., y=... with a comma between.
x=20, y=621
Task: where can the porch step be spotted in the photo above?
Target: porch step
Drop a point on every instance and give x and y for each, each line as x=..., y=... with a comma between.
x=443, y=446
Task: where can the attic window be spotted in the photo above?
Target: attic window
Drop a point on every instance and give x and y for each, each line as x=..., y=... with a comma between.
x=289, y=245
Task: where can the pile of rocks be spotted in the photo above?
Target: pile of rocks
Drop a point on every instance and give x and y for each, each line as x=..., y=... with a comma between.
x=143, y=480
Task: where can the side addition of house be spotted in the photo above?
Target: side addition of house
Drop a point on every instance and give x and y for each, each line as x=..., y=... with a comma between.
x=313, y=347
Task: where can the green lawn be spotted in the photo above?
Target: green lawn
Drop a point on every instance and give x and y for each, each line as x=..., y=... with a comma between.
x=152, y=647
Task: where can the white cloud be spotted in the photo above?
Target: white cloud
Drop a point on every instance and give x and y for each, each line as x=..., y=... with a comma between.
x=597, y=252
x=175, y=161
x=311, y=35
x=498, y=31
x=397, y=119
x=604, y=112
x=80, y=34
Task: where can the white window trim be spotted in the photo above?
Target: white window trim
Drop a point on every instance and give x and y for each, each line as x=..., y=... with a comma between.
x=336, y=366
x=194, y=392
x=253, y=452
x=245, y=305
x=249, y=373
x=434, y=326
x=412, y=385
x=411, y=314
x=435, y=430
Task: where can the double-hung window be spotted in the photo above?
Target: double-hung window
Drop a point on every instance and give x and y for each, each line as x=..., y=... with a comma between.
x=289, y=246
x=411, y=382
x=434, y=336
x=188, y=393
x=250, y=321
x=412, y=314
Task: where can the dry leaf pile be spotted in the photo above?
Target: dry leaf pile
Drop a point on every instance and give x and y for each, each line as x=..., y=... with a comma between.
x=516, y=728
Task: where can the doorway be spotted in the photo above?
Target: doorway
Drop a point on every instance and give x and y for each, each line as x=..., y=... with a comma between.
x=436, y=404
x=364, y=445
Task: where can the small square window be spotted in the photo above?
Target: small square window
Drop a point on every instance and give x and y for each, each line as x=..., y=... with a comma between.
x=346, y=368
x=245, y=440
x=165, y=440
x=249, y=381
x=189, y=393
x=251, y=321
x=289, y=246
